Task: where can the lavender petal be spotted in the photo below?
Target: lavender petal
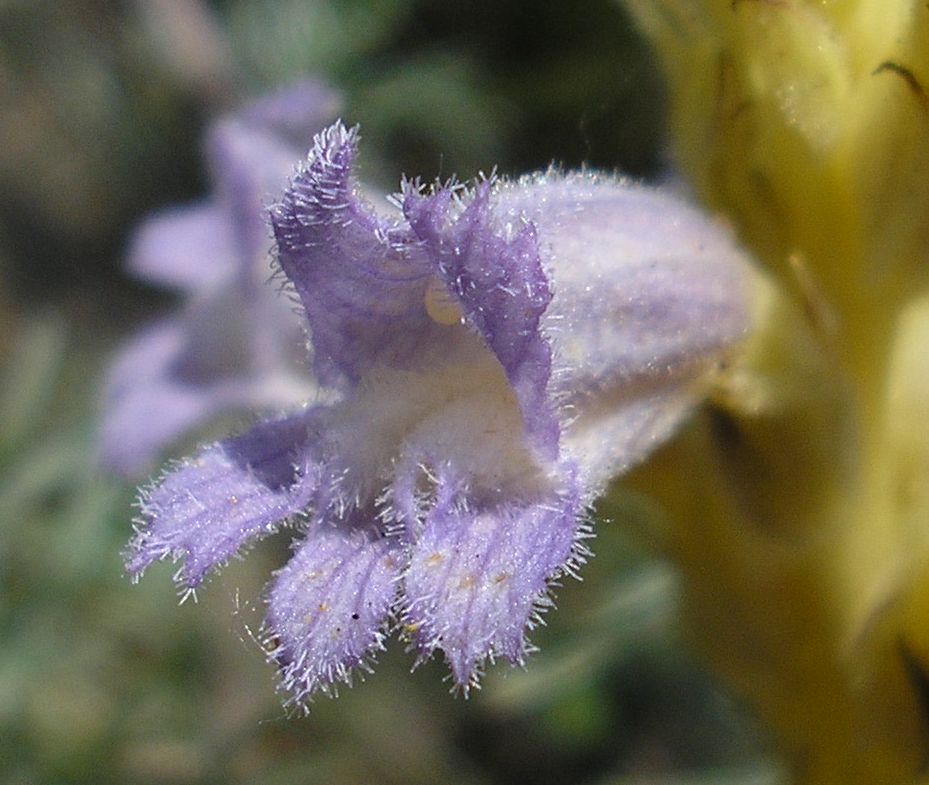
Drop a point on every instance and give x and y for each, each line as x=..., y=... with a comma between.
x=145, y=407
x=328, y=607
x=182, y=371
x=478, y=573
x=239, y=489
x=651, y=294
x=188, y=247
x=646, y=284
x=362, y=279
x=296, y=112
x=494, y=270
x=250, y=167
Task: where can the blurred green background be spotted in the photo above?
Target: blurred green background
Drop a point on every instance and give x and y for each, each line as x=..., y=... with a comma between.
x=102, y=105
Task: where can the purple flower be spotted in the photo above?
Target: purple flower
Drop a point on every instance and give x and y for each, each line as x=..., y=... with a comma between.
x=236, y=345
x=496, y=355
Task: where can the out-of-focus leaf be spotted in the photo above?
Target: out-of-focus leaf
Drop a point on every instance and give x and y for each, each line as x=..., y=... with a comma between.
x=29, y=377
x=278, y=41
x=40, y=470
x=638, y=609
x=457, y=115
x=81, y=547
x=762, y=773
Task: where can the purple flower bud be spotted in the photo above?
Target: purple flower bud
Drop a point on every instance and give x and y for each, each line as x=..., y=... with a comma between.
x=497, y=354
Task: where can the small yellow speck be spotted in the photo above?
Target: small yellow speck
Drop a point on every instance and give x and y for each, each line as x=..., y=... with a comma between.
x=441, y=305
x=467, y=581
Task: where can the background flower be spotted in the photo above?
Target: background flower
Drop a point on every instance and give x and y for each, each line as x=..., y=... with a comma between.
x=236, y=345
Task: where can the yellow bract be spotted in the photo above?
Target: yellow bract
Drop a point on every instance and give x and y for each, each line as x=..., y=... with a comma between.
x=804, y=542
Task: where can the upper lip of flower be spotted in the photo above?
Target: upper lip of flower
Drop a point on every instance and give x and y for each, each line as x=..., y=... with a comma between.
x=452, y=435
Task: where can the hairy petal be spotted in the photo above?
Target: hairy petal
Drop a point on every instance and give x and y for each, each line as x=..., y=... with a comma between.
x=239, y=489
x=478, y=572
x=608, y=443
x=189, y=247
x=494, y=270
x=328, y=607
x=649, y=295
x=253, y=153
x=362, y=279
x=646, y=284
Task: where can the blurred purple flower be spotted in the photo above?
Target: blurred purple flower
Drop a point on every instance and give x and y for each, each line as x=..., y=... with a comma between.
x=498, y=353
x=236, y=345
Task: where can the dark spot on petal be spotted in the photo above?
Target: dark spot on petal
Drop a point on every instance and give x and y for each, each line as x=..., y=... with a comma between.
x=355, y=616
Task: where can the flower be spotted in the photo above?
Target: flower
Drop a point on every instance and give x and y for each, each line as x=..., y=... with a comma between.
x=235, y=345
x=497, y=354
